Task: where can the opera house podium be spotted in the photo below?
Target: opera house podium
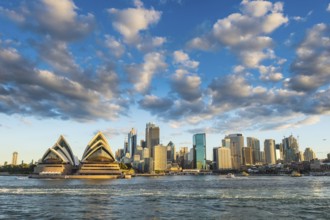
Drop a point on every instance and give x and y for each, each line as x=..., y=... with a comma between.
x=57, y=160
x=98, y=161
x=98, y=158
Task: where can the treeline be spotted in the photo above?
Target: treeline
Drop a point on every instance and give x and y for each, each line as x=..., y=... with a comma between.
x=18, y=169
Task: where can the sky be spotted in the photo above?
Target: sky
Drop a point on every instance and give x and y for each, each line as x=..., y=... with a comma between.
x=73, y=68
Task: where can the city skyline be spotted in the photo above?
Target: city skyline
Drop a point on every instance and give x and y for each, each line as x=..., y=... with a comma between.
x=74, y=68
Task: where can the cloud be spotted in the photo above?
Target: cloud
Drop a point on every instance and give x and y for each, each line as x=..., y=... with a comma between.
x=57, y=19
x=115, y=47
x=186, y=85
x=27, y=90
x=182, y=58
x=328, y=8
x=140, y=75
x=56, y=54
x=155, y=104
x=311, y=69
x=131, y=21
x=245, y=33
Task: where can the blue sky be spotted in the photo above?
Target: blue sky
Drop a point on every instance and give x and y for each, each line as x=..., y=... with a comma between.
x=259, y=68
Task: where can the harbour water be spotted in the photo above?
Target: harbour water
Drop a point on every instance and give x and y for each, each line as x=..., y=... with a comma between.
x=166, y=197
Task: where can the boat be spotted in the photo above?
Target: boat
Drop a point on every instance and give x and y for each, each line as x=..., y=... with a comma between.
x=230, y=175
x=296, y=174
x=245, y=174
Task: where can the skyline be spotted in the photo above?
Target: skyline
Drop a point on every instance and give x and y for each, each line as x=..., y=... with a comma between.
x=258, y=68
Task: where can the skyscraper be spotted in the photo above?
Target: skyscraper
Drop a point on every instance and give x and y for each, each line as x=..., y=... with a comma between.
x=290, y=149
x=132, y=142
x=309, y=154
x=247, y=155
x=170, y=152
x=269, y=148
x=199, y=149
x=254, y=143
x=223, y=158
x=152, y=137
x=160, y=158
x=14, y=159
x=236, y=146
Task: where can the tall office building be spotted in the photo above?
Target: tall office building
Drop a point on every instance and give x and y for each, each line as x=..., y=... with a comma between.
x=14, y=159
x=309, y=154
x=279, y=151
x=254, y=143
x=226, y=142
x=170, y=152
x=269, y=149
x=160, y=158
x=152, y=137
x=199, y=155
x=223, y=158
x=236, y=146
x=328, y=155
x=290, y=149
x=247, y=155
x=132, y=142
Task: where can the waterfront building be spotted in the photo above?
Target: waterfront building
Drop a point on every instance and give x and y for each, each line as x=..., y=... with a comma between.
x=58, y=159
x=262, y=157
x=152, y=137
x=132, y=142
x=199, y=151
x=160, y=158
x=279, y=152
x=290, y=149
x=236, y=146
x=171, y=152
x=223, y=158
x=226, y=142
x=269, y=149
x=98, y=158
x=247, y=155
x=309, y=154
x=254, y=143
x=14, y=159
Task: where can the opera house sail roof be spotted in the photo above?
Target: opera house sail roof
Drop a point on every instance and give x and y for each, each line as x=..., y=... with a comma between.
x=60, y=153
x=98, y=151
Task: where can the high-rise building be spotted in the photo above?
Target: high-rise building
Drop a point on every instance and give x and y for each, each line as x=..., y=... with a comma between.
x=262, y=157
x=223, y=158
x=269, y=148
x=328, y=155
x=132, y=142
x=236, y=146
x=14, y=159
x=247, y=155
x=254, y=143
x=226, y=142
x=170, y=152
x=279, y=151
x=199, y=146
x=290, y=149
x=160, y=157
x=152, y=137
x=309, y=154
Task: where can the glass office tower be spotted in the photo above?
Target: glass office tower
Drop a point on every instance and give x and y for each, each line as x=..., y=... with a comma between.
x=199, y=146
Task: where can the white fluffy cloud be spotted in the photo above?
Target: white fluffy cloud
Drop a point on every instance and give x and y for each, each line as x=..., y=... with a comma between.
x=131, y=21
x=311, y=68
x=58, y=19
x=245, y=34
x=141, y=75
x=115, y=46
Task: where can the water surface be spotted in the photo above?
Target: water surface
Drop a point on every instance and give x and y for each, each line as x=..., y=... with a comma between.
x=166, y=197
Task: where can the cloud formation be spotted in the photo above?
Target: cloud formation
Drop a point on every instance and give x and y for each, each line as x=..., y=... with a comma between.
x=58, y=19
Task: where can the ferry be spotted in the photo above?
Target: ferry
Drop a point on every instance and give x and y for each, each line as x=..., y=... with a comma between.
x=230, y=175
x=296, y=174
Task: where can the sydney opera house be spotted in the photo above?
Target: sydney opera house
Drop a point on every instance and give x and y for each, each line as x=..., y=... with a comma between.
x=97, y=160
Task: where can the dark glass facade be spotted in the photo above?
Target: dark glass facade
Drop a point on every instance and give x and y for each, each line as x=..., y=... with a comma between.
x=199, y=146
